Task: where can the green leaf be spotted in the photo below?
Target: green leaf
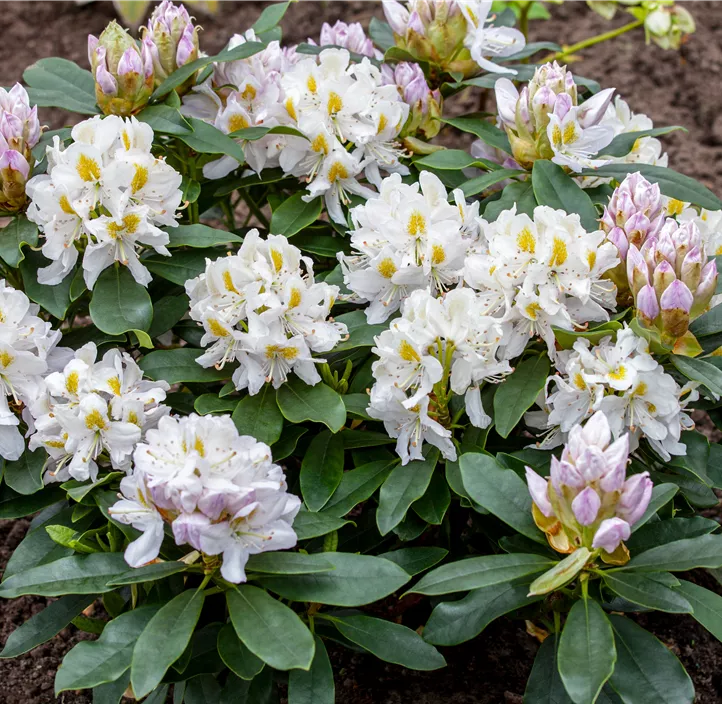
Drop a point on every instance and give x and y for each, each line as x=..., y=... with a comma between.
x=586, y=654
x=14, y=505
x=671, y=183
x=706, y=604
x=78, y=574
x=324, y=244
x=148, y=573
x=236, y=656
x=288, y=563
x=357, y=485
x=211, y=403
x=679, y=556
x=623, y=143
x=454, y=622
x=389, y=641
x=354, y=439
x=321, y=469
x=24, y=475
x=166, y=313
x=545, y=684
x=555, y=188
x=201, y=690
x=165, y=119
x=13, y=236
x=404, y=485
x=479, y=184
x=207, y=139
x=294, y=214
x=199, y=235
x=315, y=686
x=357, y=580
x=91, y=663
x=519, y=194
x=646, y=591
x=663, y=532
x=561, y=573
x=361, y=334
x=59, y=83
x=270, y=17
x=500, y=491
x=54, y=299
x=448, y=160
x=269, y=629
x=179, y=365
x=182, y=266
x=432, y=506
x=259, y=416
x=45, y=624
x=313, y=525
x=647, y=672
x=706, y=325
x=479, y=572
x=662, y=494
x=483, y=129
x=320, y=403
x=415, y=560
x=699, y=370
x=381, y=33
x=518, y=392
x=163, y=640
x=119, y=303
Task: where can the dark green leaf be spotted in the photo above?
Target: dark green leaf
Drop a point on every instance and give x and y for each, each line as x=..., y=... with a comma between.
x=662, y=532
x=706, y=604
x=483, y=129
x=545, y=685
x=623, y=143
x=646, y=591
x=24, y=475
x=320, y=403
x=236, y=656
x=288, y=563
x=357, y=485
x=415, y=560
x=519, y=194
x=182, y=266
x=164, y=119
x=270, y=17
x=13, y=236
x=54, y=299
x=202, y=690
x=448, y=160
x=166, y=313
x=294, y=214
x=315, y=686
x=679, y=556
x=119, y=303
x=148, y=573
x=432, y=506
x=211, y=403
x=179, y=365
x=381, y=33
x=518, y=392
x=312, y=525
x=285, y=446
x=701, y=371
x=199, y=235
x=479, y=184
x=259, y=416
x=321, y=469
x=55, y=82
x=361, y=334
x=207, y=139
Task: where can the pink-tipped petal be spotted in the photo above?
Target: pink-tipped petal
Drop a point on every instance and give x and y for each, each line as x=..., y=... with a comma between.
x=130, y=62
x=586, y=506
x=635, y=498
x=539, y=490
x=611, y=533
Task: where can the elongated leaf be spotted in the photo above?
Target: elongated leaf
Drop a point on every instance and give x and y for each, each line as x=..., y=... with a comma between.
x=448, y=160
x=163, y=640
x=164, y=119
x=167, y=311
x=24, y=475
x=706, y=604
x=270, y=17
x=663, y=532
x=44, y=625
x=479, y=184
x=555, y=188
x=285, y=446
x=56, y=82
x=119, y=303
x=288, y=563
x=545, y=685
x=294, y=214
x=623, y=143
x=269, y=629
x=355, y=581
x=315, y=686
x=701, y=371
x=518, y=392
x=416, y=560
x=432, y=506
x=182, y=266
x=259, y=416
x=405, y=484
x=322, y=469
x=561, y=573
x=519, y=194
x=320, y=403
x=644, y=590
x=500, y=491
x=78, y=574
x=54, y=299
x=361, y=334
x=148, y=573
x=312, y=525
x=483, y=129
x=211, y=403
x=679, y=556
x=478, y=572
x=389, y=641
x=358, y=485
x=207, y=139
x=662, y=494
x=586, y=651
x=199, y=235
x=454, y=622
x=236, y=656
x=18, y=232
x=179, y=365
x=91, y=663
x=646, y=671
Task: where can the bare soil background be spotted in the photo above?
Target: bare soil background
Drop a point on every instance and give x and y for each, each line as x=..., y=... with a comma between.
x=672, y=88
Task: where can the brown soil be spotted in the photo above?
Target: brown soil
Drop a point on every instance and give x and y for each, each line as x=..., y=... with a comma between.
x=673, y=89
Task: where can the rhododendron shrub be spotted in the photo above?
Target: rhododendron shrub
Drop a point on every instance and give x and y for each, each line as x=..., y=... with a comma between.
x=271, y=353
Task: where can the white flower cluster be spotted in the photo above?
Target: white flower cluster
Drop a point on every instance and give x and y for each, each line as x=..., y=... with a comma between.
x=220, y=492
x=262, y=308
x=437, y=343
x=27, y=348
x=106, y=194
x=541, y=272
x=349, y=119
x=408, y=238
x=622, y=379
x=94, y=411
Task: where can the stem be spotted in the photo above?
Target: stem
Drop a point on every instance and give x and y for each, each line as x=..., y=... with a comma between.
x=591, y=41
x=255, y=210
x=193, y=210
x=524, y=8
x=228, y=211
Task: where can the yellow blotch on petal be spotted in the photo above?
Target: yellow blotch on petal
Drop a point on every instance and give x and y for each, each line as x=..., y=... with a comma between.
x=557, y=136
x=277, y=259
x=311, y=84
x=532, y=310
x=249, y=92
x=291, y=110
x=65, y=206
x=337, y=171
x=620, y=373
x=320, y=144
x=6, y=359
x=408, y=353
x=570, y=133
x=417, y=224
x=674, y=207
x=128, y=226
x=88, y=169
x=216, y=328
x=559, y=252
x=383, y=124
x=72, y=383
x=140, y=178
x=294, y=299
x=386, y=268
x=334, y=103
x=526, y=241
x=438, y=255
x=94, y=420
x=228, y=282
x=591, y=259
x=237, y=122
x=199, y=447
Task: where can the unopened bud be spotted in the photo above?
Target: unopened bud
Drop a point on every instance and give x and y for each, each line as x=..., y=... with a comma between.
x=676, y=304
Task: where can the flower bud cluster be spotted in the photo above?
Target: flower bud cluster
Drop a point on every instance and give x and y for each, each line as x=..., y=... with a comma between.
x=666, y=23
x=349, y=36
x=588, y=501
x=19, y=133
x=408, y=238
x=425, y=104
x=545, y=120
x=105, y=195
x=27, y=350
x=94, y=412
x=219, y=491
x=622, y=379
x=438, y=347
x=262, y=308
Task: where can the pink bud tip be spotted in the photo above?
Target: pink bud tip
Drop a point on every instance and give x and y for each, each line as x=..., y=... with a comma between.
x=586, y=506
x=677, y=297
x=647, y=304
x=185, y=46
x=538, y=488
x=130, y=62
x=635, y=498
x=610, y=533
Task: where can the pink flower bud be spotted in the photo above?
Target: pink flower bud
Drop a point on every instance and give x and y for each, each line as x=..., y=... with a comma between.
x=11, y=160
x=616, y=456
x=637, y=228
x=592, y=111
x=565, y=474
x=92, y=46
x=415, y=23
x=596, y=430
x=591, y=464
x=586, y=506
x=610, y=533
x=636, y=494
x=12, y=128
x=538, y=488
x=130, y=62
x=647, y=306
x=691, y=270
x=662, y=277
x=676, y=304
x=147, y=54
x=705, y=290
x=637, y=271
x=618, y=237
x=186, y=45
x=562, y=105
x=396, y=15
x=104, y=79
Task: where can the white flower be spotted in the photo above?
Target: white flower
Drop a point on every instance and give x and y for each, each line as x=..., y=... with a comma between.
x=262, y=308
x=105, y=194
x=220, y=492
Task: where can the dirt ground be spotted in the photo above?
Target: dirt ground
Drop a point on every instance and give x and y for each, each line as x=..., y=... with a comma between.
x=672, y=88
